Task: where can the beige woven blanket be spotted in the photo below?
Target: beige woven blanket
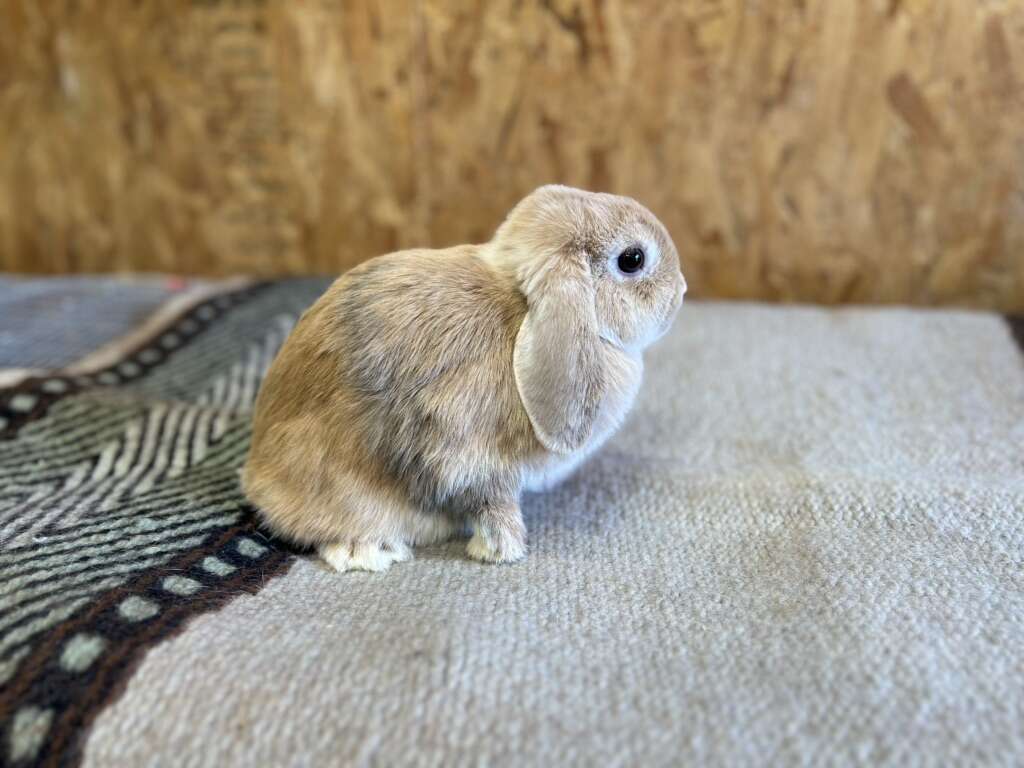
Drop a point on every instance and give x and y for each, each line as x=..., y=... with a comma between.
x=804, y=548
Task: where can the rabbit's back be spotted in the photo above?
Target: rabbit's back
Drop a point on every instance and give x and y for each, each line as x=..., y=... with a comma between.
x=405, y=368
x=426, y=340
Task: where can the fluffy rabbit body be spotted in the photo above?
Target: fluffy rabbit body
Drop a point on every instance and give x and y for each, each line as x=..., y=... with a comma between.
x=426, y=388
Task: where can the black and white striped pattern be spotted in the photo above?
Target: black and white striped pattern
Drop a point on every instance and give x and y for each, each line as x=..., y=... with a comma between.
x=105, y=475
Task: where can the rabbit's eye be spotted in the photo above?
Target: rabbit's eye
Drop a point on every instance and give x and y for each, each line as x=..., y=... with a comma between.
x=631, y=260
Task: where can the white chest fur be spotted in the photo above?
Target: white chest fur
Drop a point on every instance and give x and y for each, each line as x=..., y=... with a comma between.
x=625, y=373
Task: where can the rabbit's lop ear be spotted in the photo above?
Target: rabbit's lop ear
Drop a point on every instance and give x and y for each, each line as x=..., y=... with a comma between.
x=557, y=358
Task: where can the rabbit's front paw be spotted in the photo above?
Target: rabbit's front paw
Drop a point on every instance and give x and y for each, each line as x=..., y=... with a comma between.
x=364, y=555
x=497, y=544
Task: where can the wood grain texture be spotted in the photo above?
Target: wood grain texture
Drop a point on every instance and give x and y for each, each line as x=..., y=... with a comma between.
x=812, y=150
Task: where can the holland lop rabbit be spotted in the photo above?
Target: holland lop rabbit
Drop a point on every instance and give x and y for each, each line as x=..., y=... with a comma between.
x=426, y=388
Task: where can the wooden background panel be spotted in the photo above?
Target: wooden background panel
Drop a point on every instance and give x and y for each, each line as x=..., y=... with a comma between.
x=814, y=150
x=831, y=152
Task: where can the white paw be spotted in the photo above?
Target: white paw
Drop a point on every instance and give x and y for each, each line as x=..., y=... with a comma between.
x=495, y=549
x=364, y=555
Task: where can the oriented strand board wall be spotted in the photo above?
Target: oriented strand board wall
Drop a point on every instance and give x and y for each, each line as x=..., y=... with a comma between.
x=817, y=150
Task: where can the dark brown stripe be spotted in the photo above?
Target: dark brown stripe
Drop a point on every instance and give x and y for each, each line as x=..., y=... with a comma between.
x=1016, y=323
x=79, y=698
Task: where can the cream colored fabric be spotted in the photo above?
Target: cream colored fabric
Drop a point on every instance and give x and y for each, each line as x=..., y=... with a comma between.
x=805, y=547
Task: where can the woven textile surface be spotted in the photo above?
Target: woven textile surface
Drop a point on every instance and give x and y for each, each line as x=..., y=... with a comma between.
x=51, y=323
x=804, y=547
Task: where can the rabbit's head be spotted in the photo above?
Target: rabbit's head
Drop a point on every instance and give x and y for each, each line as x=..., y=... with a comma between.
x=595, y=269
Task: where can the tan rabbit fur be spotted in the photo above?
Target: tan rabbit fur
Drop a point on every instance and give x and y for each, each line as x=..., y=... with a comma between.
x=426, y=388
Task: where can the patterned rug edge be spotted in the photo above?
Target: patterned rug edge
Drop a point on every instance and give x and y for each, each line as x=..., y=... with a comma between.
x=87, y=661
x=232, y=564
x=29, y=396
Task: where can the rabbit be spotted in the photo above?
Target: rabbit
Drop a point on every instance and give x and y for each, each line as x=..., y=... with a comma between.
x=426, y=389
